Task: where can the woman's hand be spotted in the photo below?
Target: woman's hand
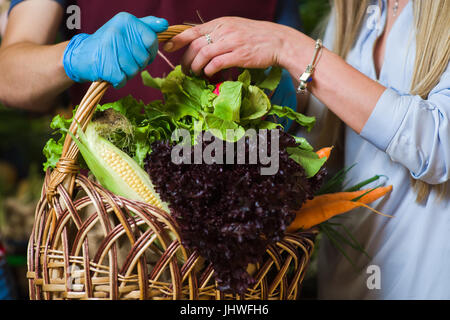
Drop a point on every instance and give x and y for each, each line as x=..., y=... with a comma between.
x=236, y=42
x=116, y=52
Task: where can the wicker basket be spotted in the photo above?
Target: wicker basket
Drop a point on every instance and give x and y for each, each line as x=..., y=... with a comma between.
x=88, y=243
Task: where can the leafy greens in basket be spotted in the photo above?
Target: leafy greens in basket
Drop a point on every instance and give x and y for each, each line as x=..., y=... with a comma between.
x=229, y=213
x=190, y=103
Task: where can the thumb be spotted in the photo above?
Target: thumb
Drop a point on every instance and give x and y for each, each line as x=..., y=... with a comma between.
x=155, y=23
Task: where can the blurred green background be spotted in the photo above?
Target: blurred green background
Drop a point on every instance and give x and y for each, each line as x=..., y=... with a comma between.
x=22, y=137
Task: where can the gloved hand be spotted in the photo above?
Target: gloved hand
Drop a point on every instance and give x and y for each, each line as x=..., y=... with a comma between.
x=116, y=52
x=285, y=95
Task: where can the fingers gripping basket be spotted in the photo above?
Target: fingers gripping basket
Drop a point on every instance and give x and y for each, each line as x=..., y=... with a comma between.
x=88, y=243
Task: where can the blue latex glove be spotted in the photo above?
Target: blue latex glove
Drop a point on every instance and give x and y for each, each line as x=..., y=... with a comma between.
x=285, y=95
x=116, y=52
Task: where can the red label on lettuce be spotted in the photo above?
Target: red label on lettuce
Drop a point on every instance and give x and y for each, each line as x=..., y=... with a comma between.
x=217, y=89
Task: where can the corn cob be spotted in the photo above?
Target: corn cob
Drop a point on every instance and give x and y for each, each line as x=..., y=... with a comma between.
x=115, y=170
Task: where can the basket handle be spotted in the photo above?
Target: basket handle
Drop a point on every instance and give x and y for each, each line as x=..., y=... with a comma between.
x=67, y=166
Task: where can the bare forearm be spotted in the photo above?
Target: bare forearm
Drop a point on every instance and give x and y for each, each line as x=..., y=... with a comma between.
x=344, y=90
x=32, y=75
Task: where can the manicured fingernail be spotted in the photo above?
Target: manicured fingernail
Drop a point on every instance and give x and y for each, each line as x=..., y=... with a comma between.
x=168, y=46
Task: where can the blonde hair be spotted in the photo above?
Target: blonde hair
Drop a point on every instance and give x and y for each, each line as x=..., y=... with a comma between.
x=432, y=35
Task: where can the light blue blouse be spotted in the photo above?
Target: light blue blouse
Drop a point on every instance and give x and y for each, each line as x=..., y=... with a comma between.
x=405, y=136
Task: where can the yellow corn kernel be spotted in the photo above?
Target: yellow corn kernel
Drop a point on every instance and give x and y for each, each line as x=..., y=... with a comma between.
x=123, y=169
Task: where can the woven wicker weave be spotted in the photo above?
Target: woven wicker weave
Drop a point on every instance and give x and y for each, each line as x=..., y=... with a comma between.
x=88, y=243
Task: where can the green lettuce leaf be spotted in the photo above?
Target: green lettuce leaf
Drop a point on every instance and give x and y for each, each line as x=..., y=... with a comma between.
x=303, y=143
x=268, y=125
x=266, y=78
x=286, y=112
x=150, y=81
x=184, y=96
x=308, y=159
x=255, y=104
x=227, y=105
x=52, y=151
x=219, y=127
x=129, y=107
x=53, y=148
x=245, y=77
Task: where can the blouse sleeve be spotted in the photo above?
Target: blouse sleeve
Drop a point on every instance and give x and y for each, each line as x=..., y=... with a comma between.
x=414, y=132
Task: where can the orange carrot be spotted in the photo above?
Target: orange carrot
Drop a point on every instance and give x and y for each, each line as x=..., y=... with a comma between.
x=367, y=196
x=324, y=152
x=324, y=207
